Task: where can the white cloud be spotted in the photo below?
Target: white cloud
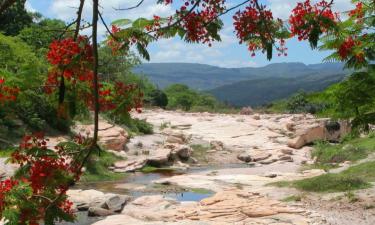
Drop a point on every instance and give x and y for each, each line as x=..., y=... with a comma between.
x=66, y=9
x=29, y=8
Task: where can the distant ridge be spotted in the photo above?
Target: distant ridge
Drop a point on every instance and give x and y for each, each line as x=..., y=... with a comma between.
x=206, y=77
x=247, y=85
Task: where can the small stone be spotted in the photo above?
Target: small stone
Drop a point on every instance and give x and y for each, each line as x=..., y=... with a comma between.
x=271, y=175
x=260, y=156
x=287, y=151
x=217, y=145
x=256, y=117
x=287, y=158
x=245, y=157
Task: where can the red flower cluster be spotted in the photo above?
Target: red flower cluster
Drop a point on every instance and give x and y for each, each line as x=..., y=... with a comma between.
x=122, y=97
x=195, y=23
x=247, y=26
x=358, y=12
x=71, y=59
x=346, y=49
x=307, y=17
x=256, y=26
x=46, y=172
x=7, y=93
x=5, y=187
x=112, y=43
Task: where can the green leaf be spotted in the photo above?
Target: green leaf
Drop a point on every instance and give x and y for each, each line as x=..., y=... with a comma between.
x=143, y=52
x=141, y=23
x=122, y=22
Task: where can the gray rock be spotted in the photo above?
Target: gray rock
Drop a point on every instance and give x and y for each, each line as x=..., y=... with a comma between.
x=217, y=145
x=245, y=157
x=287, y=158
x=287, y=151
x=261, y=156
x=115, y=203
x=96, y=211
x=183, y=152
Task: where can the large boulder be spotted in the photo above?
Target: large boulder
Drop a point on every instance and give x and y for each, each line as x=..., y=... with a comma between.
x=325, y=130
x=115, y=202
x=182, y=151
x=111, y=137
x=129, y=165
x=96, y=200
x=160, y=157
x=246, y=111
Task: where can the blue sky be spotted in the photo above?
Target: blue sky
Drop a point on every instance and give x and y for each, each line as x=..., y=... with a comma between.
x=227, y=53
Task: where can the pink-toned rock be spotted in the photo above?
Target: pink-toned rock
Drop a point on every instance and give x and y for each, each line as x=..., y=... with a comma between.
x=246, y=111
x=111, y=137
x=325, y=130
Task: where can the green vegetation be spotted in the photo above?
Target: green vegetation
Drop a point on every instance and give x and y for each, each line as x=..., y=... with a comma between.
x=352, y=98
x=349, y=150
x=182, y=97
x=200, y=191
x=200, y=152
x=151, y=169
x=97, y=168
x=4, y=153
x=356, y=177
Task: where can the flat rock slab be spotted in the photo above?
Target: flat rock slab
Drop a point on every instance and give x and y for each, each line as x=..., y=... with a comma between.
x=231, y=206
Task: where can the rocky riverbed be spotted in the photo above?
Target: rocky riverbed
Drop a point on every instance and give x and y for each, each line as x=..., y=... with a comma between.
x=221, y=165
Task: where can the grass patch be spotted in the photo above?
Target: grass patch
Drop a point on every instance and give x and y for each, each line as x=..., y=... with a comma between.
x=292, y=198
x=350, y=150
x=97, y=168
x=200, y=152
x=200, y=191
x=151, y=169
x=356, y=177
x=6, y=152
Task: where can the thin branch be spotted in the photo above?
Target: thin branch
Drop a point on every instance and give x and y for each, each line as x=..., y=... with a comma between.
x=106, y=27
x=44, y=197
x=67, y=28
x=79, y=17
x=182, y=18
x=133, y=7
x=210, y=21
x=5, y=141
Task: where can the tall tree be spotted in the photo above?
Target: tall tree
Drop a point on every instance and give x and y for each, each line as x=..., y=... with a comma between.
x=14, y=17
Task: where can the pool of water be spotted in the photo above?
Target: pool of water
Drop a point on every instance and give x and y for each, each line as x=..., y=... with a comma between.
x=82, y=219
x=145, y=179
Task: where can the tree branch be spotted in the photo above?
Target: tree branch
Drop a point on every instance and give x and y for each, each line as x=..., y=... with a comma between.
x=133, y=7
x=79, y=17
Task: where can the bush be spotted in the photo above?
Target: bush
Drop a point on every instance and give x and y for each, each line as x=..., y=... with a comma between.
x=158, y=98
x=143, y=126
x=36, y=111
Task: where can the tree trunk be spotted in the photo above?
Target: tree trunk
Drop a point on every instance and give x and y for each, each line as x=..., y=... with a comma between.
x=95, y=68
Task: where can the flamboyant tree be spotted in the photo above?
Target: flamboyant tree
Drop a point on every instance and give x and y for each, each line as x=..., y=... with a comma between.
x=37, y=193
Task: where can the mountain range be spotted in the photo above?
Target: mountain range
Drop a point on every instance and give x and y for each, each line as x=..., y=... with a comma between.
x=249, y=85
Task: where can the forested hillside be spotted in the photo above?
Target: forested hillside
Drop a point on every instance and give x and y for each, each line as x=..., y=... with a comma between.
x=265, y=90
x=206, y=77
